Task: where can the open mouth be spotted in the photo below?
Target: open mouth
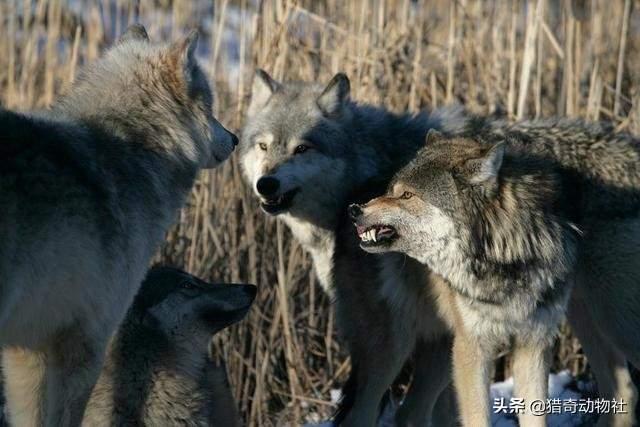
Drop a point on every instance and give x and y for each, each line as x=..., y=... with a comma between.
x=376, y=235
x=280, y=203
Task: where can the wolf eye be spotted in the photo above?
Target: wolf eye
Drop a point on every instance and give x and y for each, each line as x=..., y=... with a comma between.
x=300, y=149
x=263, y=146
x=406, y=195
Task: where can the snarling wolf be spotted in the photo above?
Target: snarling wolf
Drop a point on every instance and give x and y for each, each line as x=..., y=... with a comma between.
x=158, y=370
x=87, y=191
x=514, y=217
x=307, y=150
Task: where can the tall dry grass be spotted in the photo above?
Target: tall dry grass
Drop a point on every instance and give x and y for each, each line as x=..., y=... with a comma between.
x=523, y=59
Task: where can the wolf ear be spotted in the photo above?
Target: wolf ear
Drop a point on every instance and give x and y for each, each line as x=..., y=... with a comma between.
x=433, y=136
x=335, y=95
x=263, y=87
x=183, y=52
x=134, y=32
x=487, y=167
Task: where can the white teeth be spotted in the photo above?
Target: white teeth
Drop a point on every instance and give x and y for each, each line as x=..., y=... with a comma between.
x=368, y=235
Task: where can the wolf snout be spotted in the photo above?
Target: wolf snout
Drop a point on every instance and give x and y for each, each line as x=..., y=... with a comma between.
x=355, y=212
x=250, y=292
x=230, y=136
x=267, y=186
x=234, y=139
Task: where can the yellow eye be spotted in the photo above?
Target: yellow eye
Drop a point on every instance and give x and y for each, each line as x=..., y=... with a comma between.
x=263, y=146
x=406, y=195
x=300, y=149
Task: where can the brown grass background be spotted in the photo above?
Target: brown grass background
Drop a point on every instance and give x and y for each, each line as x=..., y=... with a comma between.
x=524, y=59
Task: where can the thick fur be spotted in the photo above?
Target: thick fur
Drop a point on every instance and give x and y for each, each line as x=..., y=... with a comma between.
x=514, y=216
x=87, y=191
x=382, y=307
x=158, y=370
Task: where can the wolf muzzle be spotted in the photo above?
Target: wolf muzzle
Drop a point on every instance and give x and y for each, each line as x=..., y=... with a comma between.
x=354, y=211
x=267, y=186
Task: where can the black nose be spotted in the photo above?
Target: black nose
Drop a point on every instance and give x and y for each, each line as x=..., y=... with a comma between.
x=235, y=140
x=267, y=185
x=355, y=211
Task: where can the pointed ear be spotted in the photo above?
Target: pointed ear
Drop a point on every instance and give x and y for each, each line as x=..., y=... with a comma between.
x=335, y=95
x=262, y=89
x=433, y=136
x=183, y=53
x=486, y=168
x=134, y=32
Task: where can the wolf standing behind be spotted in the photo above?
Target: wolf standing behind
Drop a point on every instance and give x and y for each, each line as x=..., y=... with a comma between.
x=87, y=191
x=306, y=151
x=514, y=216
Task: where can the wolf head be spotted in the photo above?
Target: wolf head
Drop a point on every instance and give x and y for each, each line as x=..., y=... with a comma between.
x=458, y=200
x=185, y=308
x=295, y=146
x=417, y=213
x=155, y=95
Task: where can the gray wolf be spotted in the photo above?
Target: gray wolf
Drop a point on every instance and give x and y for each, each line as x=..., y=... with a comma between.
x=307, y=151
x=158, y=370
x=514, y=217
x=87, y=191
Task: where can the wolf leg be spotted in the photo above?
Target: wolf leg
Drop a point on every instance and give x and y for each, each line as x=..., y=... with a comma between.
x=73, y=363
x=604, y=310
x=608, y=364
x=608, y=281
x=24, y=384
x=445, y=413
x=471, y=369
x=531, y=362
x=374, y=374
x=377, y=355
x=431, y=376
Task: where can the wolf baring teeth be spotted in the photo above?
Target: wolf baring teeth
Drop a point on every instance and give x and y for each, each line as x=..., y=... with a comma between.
x=527, y=222
x=308, y=151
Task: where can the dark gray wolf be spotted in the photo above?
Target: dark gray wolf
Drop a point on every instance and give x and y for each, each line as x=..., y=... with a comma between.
x=87, y=191
x=158, y=370
x=308, y=151
x=514, y=216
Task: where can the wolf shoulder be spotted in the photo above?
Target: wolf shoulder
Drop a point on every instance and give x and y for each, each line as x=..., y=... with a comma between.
x=44, y=154
x=600, y=167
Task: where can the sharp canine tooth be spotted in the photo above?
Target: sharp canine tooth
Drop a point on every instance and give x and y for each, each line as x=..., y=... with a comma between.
x=373, y=235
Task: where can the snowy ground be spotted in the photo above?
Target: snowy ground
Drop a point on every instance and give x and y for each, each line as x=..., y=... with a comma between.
x=562, y=386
